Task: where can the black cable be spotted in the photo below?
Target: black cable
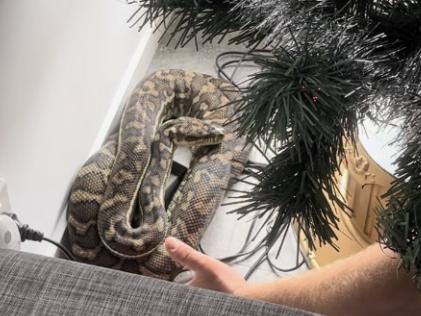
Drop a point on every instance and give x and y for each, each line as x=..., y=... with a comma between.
x=61, y=247
x=293, y=268
x=28, y=233
x=264, y=257
x=239, y=57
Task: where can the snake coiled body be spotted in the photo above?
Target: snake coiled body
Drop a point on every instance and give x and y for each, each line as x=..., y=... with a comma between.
x=116, y=217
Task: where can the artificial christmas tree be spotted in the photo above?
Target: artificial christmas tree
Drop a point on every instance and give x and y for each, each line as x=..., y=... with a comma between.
x=324, y=67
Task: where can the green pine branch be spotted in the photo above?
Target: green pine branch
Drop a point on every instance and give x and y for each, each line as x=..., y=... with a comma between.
x=297, y=186
x=400, y=222
x=187, y=20
x=319, y=80
x=309, y=97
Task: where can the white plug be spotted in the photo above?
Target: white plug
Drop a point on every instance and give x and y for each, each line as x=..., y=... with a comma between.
x=9, y=233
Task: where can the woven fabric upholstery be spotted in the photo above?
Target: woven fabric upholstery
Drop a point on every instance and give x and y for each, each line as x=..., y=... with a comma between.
x=36, y=285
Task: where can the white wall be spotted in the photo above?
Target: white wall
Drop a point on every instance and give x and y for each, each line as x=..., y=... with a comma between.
x=380, y=143
x=65, y=68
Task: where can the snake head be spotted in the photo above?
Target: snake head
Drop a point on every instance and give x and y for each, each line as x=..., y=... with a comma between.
x=189, y=131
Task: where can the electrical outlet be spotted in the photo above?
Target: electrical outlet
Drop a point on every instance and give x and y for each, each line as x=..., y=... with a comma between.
x=4, y=197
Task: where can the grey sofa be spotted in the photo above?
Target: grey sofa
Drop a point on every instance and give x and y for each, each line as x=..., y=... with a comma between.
x=36, y=285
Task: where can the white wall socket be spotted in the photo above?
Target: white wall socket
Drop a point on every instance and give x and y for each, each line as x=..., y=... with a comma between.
x=4, y=197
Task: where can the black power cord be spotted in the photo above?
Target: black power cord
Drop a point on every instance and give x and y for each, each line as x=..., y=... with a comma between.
x=28, y=233
x=224, y=62
x=66, y=252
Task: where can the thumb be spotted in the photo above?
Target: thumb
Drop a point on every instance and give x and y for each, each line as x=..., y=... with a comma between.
x=186, y=256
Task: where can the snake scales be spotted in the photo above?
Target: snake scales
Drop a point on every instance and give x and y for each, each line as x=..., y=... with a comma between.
x=116, y=216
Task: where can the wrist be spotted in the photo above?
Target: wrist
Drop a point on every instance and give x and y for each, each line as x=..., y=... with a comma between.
x=285, y=291
x=245, y=291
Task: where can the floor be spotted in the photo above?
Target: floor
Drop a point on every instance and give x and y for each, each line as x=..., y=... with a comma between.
x=226, y=234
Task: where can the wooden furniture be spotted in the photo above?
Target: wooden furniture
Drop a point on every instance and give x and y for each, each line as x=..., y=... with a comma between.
x=362, y=183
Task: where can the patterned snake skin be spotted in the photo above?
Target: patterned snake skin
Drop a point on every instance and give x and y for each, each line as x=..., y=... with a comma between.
x=116, y=215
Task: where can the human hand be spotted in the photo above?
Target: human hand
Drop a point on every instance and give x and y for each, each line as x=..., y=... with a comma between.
x=209, y=273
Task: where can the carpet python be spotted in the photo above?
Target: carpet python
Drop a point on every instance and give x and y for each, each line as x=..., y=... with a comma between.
x=116, y=215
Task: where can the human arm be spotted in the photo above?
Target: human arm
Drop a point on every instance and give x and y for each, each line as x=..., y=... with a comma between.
x=368, y=283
